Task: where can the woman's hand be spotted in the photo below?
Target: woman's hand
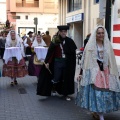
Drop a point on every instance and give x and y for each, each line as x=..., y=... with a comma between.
x=79, y=77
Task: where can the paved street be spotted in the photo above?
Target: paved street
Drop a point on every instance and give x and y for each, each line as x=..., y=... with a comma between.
x=21, y=103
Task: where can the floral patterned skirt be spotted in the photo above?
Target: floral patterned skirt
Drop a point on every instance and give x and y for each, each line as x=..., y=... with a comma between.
x=98, y=100
x=14, y=69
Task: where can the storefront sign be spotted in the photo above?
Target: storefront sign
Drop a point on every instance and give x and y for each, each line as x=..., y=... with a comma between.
x=74, y=18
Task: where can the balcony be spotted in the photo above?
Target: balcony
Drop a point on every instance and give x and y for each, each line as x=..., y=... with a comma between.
x=27, y=4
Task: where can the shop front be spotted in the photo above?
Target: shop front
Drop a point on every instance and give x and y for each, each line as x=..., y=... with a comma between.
x=76, y=28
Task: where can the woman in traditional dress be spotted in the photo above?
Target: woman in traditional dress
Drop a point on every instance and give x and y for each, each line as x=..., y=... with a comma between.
x=13, y=68
x=99, y=78
x=34, y=69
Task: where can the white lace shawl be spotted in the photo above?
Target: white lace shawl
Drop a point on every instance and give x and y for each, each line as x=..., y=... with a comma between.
x=90, y=66
x=19, y=42
x=36, y=44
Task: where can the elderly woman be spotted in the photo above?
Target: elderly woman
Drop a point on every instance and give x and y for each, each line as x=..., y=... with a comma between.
x=99, y=79
x=34, y=69
x=14, y=68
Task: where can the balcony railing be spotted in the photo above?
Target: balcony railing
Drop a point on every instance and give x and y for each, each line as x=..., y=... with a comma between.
x=27, y=4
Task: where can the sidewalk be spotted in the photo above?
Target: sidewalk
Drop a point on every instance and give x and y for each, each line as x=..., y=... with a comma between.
x=21, y=103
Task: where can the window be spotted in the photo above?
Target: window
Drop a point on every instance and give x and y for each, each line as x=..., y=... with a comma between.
x=74, y=5
x=16, y=17
x=96, y=1
x=29, y=1
x=77, y=4
x=26, y=17
x=18, y=1
x=71, y=5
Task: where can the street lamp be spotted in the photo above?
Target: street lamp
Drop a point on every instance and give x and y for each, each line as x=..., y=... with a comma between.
x=36, y=22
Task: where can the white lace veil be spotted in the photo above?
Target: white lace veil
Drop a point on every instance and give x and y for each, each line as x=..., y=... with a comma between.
x=35, y=43
x=90, y=66
x=8, y=38
x=91, y=45
x=18, y=40
x=90, y=53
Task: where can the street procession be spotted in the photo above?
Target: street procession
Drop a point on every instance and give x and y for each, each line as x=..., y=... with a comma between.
x=60, y=60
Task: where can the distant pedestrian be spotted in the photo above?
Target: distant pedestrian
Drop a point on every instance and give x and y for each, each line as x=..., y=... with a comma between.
x=47, y=38
x=39, y=32
x=2, y=44
x=27, y=43
x=0, y=35
x=86, y=40
x=99, y=79
x=0, y=40
x=24, y=37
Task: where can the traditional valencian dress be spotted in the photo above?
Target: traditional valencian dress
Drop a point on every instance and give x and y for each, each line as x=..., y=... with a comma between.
x=100, y=85
x=34, y=69
x=14, y=68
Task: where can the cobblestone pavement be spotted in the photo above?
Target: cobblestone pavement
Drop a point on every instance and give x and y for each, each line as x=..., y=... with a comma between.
x=21, y=103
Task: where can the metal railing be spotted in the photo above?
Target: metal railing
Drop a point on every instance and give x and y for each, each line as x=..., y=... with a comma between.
x=27, y=4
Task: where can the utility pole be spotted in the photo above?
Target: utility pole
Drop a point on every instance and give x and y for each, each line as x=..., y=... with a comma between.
x=36, y=23
x=108, y=17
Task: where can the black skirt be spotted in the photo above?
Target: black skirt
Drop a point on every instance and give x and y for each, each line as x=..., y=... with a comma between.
x=28, y=51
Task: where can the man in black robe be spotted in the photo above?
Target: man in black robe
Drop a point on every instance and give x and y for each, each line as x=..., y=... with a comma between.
x=59, y=68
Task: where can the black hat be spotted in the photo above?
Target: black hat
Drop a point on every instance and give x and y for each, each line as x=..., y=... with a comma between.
x=30, y=32
x=63, y=27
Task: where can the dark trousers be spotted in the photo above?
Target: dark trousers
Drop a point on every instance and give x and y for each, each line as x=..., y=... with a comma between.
x=2, y=52
x=59, y=67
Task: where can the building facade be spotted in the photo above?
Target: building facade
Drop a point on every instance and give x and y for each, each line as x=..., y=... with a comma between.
x=21, y=14
x=115, y=30
x=81, y=15
x=2, y=14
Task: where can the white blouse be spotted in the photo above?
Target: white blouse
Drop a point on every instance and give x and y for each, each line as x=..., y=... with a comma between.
x=100, y=53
